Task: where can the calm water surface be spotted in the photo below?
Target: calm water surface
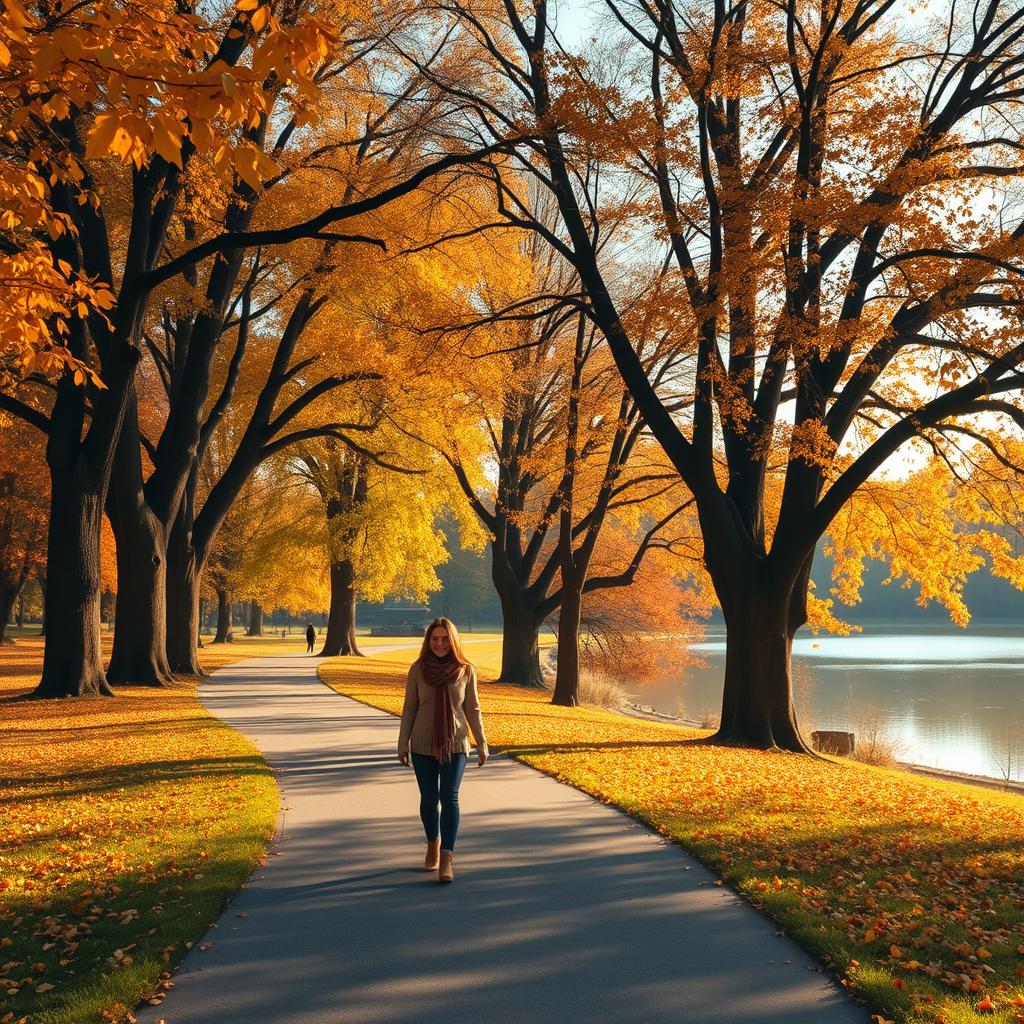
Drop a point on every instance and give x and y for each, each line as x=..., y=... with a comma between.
x=945, y=698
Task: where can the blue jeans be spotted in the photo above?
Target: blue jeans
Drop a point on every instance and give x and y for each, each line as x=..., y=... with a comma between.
x=439, y=785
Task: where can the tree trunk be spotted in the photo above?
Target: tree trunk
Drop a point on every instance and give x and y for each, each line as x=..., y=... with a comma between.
x=182, y=618
x=42, y=591
x=19, y=615
x=520, y=648
x=255, y=619
x=757, y=699
x=73, y=662
x=139, y=655
x=341, y=620
x=183, y=579
x=567, y=676
x=224, y=633
x=8, y=595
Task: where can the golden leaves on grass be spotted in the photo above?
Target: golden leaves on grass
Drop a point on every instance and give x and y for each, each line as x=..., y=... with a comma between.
x=112, y=811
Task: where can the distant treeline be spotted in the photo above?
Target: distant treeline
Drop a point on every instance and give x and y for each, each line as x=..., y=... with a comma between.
x=468, y=597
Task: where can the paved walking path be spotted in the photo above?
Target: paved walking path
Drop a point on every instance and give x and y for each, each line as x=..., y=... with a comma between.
x=562, y=908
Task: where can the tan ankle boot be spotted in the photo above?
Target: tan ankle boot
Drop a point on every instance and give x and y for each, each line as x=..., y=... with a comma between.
x=433, y=857
x=446, y=869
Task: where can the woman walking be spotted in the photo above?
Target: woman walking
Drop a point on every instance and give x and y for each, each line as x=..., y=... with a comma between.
x=441, y=707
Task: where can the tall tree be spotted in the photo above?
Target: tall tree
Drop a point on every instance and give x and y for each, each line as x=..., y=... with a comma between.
x=151, y=86
x=381, y=509
x=340, y=478
x=22, y=514
x=567, y=448
x=137, y=97
x=188, y=328
x=844, y=284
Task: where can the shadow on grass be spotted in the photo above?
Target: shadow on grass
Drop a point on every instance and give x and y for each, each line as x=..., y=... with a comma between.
x=142, y=773
x=155, y=726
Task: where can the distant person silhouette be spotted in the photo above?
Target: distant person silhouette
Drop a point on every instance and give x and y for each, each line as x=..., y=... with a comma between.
x=310, y=638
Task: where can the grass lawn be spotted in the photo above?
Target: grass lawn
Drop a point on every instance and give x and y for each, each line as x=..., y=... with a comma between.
x=125, y=825
x=910, y=889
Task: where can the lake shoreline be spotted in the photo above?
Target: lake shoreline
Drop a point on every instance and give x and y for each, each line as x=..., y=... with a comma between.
x=932, y=697
x=985, y=781
x=631, y=710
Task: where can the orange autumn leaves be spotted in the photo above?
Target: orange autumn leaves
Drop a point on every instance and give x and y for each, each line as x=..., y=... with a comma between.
x=913, y=890
x=142, y=81
x=116, y=815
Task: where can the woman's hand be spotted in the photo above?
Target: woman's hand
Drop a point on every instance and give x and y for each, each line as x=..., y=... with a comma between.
x=481, y=757
x=403, y=758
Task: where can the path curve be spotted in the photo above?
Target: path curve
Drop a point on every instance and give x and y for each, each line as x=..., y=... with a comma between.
x=563, y=908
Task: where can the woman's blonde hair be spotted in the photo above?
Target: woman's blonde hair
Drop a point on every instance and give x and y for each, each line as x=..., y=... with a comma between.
x=453, y=639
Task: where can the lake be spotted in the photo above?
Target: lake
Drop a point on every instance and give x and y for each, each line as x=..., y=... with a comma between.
x=944, y=698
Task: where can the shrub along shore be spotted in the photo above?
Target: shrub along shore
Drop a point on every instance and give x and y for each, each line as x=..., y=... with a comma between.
x=910, y=889
x=126, y=826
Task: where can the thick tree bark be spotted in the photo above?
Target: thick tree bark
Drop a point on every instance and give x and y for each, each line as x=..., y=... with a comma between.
x=182, y=612
x=520, y=625
x=757, y=700
x=8, y=595
x=184, y=574
x=139, y=655
x=80, y=470
x=341, y=620
x=520, y=646
x=72, y=662
x=763, y=603
x=255, y=627
x=224, y=633
x=42, y=591
x=567, y=675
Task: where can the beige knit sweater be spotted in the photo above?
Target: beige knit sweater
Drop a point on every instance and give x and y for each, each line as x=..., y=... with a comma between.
x=417, y=731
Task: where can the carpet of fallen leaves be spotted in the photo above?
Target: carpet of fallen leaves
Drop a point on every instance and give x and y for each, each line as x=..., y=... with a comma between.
x=125, y=823
x=910, y=889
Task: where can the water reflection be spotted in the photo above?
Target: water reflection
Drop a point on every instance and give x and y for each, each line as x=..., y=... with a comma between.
x=948, y=699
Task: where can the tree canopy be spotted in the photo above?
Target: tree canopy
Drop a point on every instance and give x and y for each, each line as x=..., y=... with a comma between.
x=673, y=303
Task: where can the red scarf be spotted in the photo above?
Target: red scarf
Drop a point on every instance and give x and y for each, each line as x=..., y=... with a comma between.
x=441, y=673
